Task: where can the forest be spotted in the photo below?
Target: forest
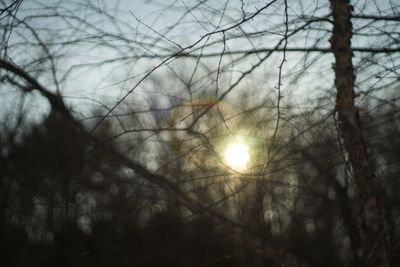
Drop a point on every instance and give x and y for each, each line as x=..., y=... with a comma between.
x=200, y=133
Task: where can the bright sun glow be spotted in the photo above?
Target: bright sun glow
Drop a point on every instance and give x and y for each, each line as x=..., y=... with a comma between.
x=237, y=156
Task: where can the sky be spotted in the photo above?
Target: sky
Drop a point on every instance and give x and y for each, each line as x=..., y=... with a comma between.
x=104, y=65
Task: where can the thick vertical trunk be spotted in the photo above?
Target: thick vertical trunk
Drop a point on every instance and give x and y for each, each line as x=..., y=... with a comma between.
x=373, y=248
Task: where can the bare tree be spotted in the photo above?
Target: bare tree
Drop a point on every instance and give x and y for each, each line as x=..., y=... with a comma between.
x=170, y=99
x=373, y=248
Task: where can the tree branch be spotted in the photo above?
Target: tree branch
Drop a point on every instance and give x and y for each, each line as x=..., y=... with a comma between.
x=280, y=255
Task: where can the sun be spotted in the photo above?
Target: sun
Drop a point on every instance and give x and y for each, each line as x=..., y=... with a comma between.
x=237, y=156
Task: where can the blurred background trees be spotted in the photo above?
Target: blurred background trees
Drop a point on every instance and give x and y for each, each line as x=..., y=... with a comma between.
x=115, y=118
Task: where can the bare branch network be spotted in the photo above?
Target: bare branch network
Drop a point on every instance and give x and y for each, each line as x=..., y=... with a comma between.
x=199, y=133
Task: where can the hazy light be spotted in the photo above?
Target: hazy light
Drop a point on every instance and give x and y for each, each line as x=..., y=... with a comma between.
x=237, y=156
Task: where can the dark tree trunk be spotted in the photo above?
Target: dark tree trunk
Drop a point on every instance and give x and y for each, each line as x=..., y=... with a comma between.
x=372, y=251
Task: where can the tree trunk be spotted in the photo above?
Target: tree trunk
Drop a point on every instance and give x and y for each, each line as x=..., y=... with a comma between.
x=372, y=251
